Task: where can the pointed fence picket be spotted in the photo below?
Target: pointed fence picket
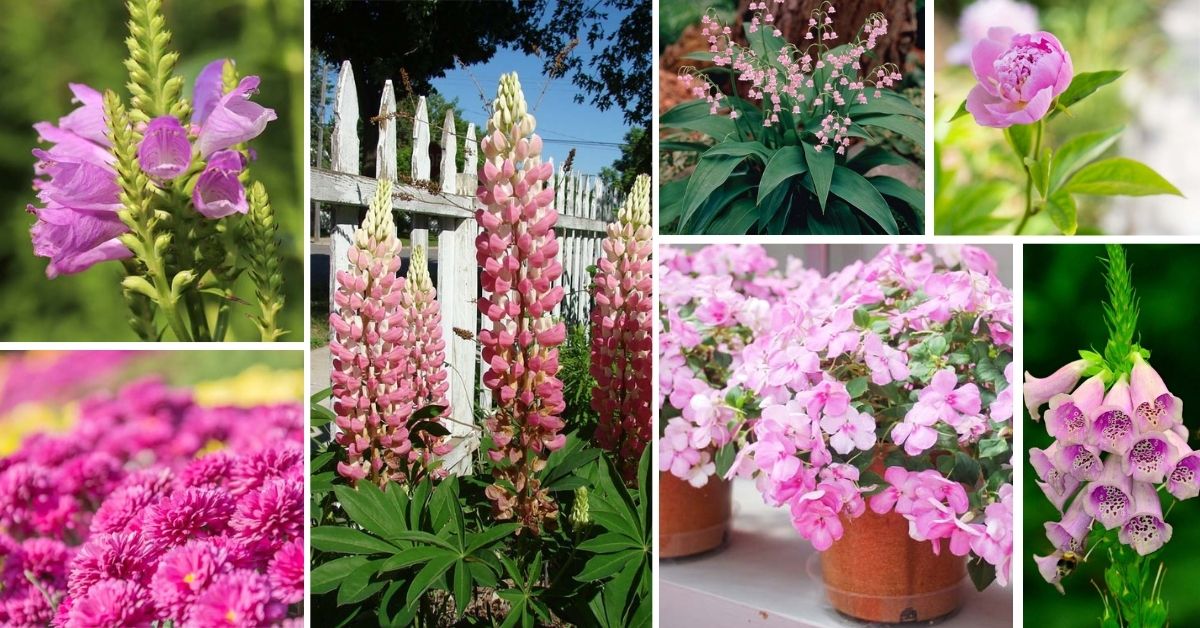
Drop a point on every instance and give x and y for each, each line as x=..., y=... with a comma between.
x=448, y=209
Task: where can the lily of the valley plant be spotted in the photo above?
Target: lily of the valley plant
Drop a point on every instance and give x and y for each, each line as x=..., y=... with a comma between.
x=782, y=162
x=161, y=184
x=1025, y=80
x=815, y=386
x=1120, y=448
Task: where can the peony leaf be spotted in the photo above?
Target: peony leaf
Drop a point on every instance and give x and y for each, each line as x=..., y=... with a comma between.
x=1079, y=151
x=1061, y=209
x=1083, y=85
x=962, y=111
x=1119, y=176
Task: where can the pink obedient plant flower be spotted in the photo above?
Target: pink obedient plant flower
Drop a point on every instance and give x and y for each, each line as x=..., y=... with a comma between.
x=518, y=253
x=1020, y=75
x=234, y=119
x=219, y=192
x=803, y=374
x=621, y=332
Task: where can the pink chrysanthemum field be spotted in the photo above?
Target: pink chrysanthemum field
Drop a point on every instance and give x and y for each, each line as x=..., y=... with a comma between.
x=152, y=506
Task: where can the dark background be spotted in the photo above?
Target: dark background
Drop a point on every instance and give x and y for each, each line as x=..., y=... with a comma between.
x=1064, y=290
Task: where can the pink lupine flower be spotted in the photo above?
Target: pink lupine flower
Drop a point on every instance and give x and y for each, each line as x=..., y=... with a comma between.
x=233, y=119
x=425, y=364
x=1109, y=500
x=1019, y=77
x=518, y=252
x=219, y=192
x=621, y=333
x=1038, y=392
x=1069, y=417
x=165, y=152
x=1154, y=407
x=1145, y=531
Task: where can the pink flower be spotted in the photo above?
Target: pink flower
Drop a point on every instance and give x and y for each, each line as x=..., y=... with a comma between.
x=234, y=119
x=219, y=192
x=995, y=541
x=208, y=90
x=237, y=598
x=286, y=572
x=1145, y=531
x=941, y=401
x=1069, y=417
x=849, y=431
x=886, y=363
x=183, y=573
x=192, y=513
x=119, y=556
x=815, y=516
x=1154, y=407
x=1039, y=391
x=165, y=152
x=270, y=516
x=978, y=17
x=1019, y=77
x=112, y=603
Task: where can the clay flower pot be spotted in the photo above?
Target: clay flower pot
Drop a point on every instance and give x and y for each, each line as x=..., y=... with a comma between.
x=692, y=520
x=877, y=573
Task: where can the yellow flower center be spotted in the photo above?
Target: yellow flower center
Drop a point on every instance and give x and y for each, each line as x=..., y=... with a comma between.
x=190, y=578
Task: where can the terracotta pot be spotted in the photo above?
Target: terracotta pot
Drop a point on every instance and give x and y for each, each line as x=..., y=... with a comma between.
x=877, y=573
x=692, y=520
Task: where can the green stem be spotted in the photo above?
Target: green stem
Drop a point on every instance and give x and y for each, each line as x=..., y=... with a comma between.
x=1030, y=208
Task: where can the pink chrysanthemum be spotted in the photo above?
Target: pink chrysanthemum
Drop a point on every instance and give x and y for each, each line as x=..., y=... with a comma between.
x=271, y=516
x=183, y=573
x=252, y=471
x=112, y=603
x=238, y=598
x=193, y=513
x=209, y=471
x=117, y=556
x=124, y=510
x=287, y=572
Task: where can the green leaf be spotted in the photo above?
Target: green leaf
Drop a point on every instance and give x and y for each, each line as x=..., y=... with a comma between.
x=462, y=587
x=856, y=387
x=1119, y=176
x=694, y=116
x=321, y=416
x=413, y=556
x=602, y=566
x=607, y=543
x=724, y=459
x=368, y=507
x=787, y=162
x=1061, y=209
x=357, y=586
x=838, y=219
x=962, y=111
x=326, y=577
x=890, y=103
x=901, y=125
x=1083, y=85
x=873, y=156
x=483, y=539
x=1020, y=138
x=709, y=175
x=898, y=189
x=348, y=541
x=860, y=194
x=700, y=56
x=982, y=572
x=992, y=447
x=426, y=412
x=739, y=149
x=735, y=187
x=1040, y=170
x=430, y=573
x=671, y=201
x=1080, y=151
x=737, y=220
x=417, y=536
x=820, y=170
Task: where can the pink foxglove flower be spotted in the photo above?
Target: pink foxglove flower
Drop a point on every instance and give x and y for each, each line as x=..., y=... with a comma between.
x=1110, y=499
x=1038, y=391
x=518, y=253
x=1069, y=417
x=1019, y=77
x=1071, y=532
x=1154, y=407
x=219, y=192
x=1145, y=531
x=1048, y=568
x=371, y=402
x=1149, y=459
x=234, y=119
x=165, y=152
x=621, y=333
x=1113, y=429
x=1184, y=480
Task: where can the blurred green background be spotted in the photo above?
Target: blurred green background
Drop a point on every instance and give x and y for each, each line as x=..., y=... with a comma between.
x=979, y=183
x=1064, y=289
x=45, y=44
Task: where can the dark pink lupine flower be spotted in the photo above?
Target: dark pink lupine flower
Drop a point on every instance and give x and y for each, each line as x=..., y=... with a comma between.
x=286, y=572
x=1145, y=531
x=234, y=119
x=112, y=603
x=1109, y=500
x=165, y=152
x=219, y=192
x=238, y=598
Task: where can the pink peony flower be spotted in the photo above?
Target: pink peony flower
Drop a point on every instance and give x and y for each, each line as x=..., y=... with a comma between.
x=1019, y=77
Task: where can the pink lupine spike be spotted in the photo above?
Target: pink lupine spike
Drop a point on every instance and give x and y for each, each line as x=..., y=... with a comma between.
x=621, y=360
x=516, y=233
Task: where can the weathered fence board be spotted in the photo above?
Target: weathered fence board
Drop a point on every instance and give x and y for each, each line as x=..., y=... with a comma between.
x=447, y=211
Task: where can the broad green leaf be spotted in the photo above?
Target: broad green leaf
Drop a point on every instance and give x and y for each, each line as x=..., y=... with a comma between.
x=368, y=507
x=874, y=156
x=710, y=174
x=695, y=115
x=889, y=103
x=671, y=201
x=1040, y=170
x=982, y=573
x=462, y=587
x=1079, y=151
x=787, y=162
x=426, y=412
x=321, y=395
x=693, y=147
x=685, y=111
x=319, y=462
x=348, y=541
x=896, y=188
x=737, y=219
x=357, y=586
x=856, y=387
x=1020, y=138
x=483, y=539
x=820, y=169
x=429, y=574
x=417, y=536
x=775, y=204
x=861, y=195
x=902, y=125
x=606, y=543
x=724, y=459
x=962, y=111
x=613, y=522
x=699, y=56
x=321, y=416
x=1083, y=85
x=838, y=219
x=735, y=187
x=992, y=447
x=326, y=577
x=321, y=483
x=413, y=556
x=1119, y=176
x=1061, y=209
x=739, y=149
x=602, y=566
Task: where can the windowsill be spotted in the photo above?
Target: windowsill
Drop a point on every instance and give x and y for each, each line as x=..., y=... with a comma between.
x=765, y=575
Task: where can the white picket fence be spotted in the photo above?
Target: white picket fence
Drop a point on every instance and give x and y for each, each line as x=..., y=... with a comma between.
x=449, y=208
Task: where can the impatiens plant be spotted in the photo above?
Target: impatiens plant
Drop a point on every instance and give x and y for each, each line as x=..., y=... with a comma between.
x=162, y=184
x=155, y=510
x=621, y=332
x=785, y=160
x=882, y=385
x=518, y=253
x=1024, y=81
x=388, y=356
x=1120, y=448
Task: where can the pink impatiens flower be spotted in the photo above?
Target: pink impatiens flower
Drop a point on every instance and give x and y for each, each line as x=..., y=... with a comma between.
x=849, y=431
x=815, y=516
x=941, y=401
x=1019, y=77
